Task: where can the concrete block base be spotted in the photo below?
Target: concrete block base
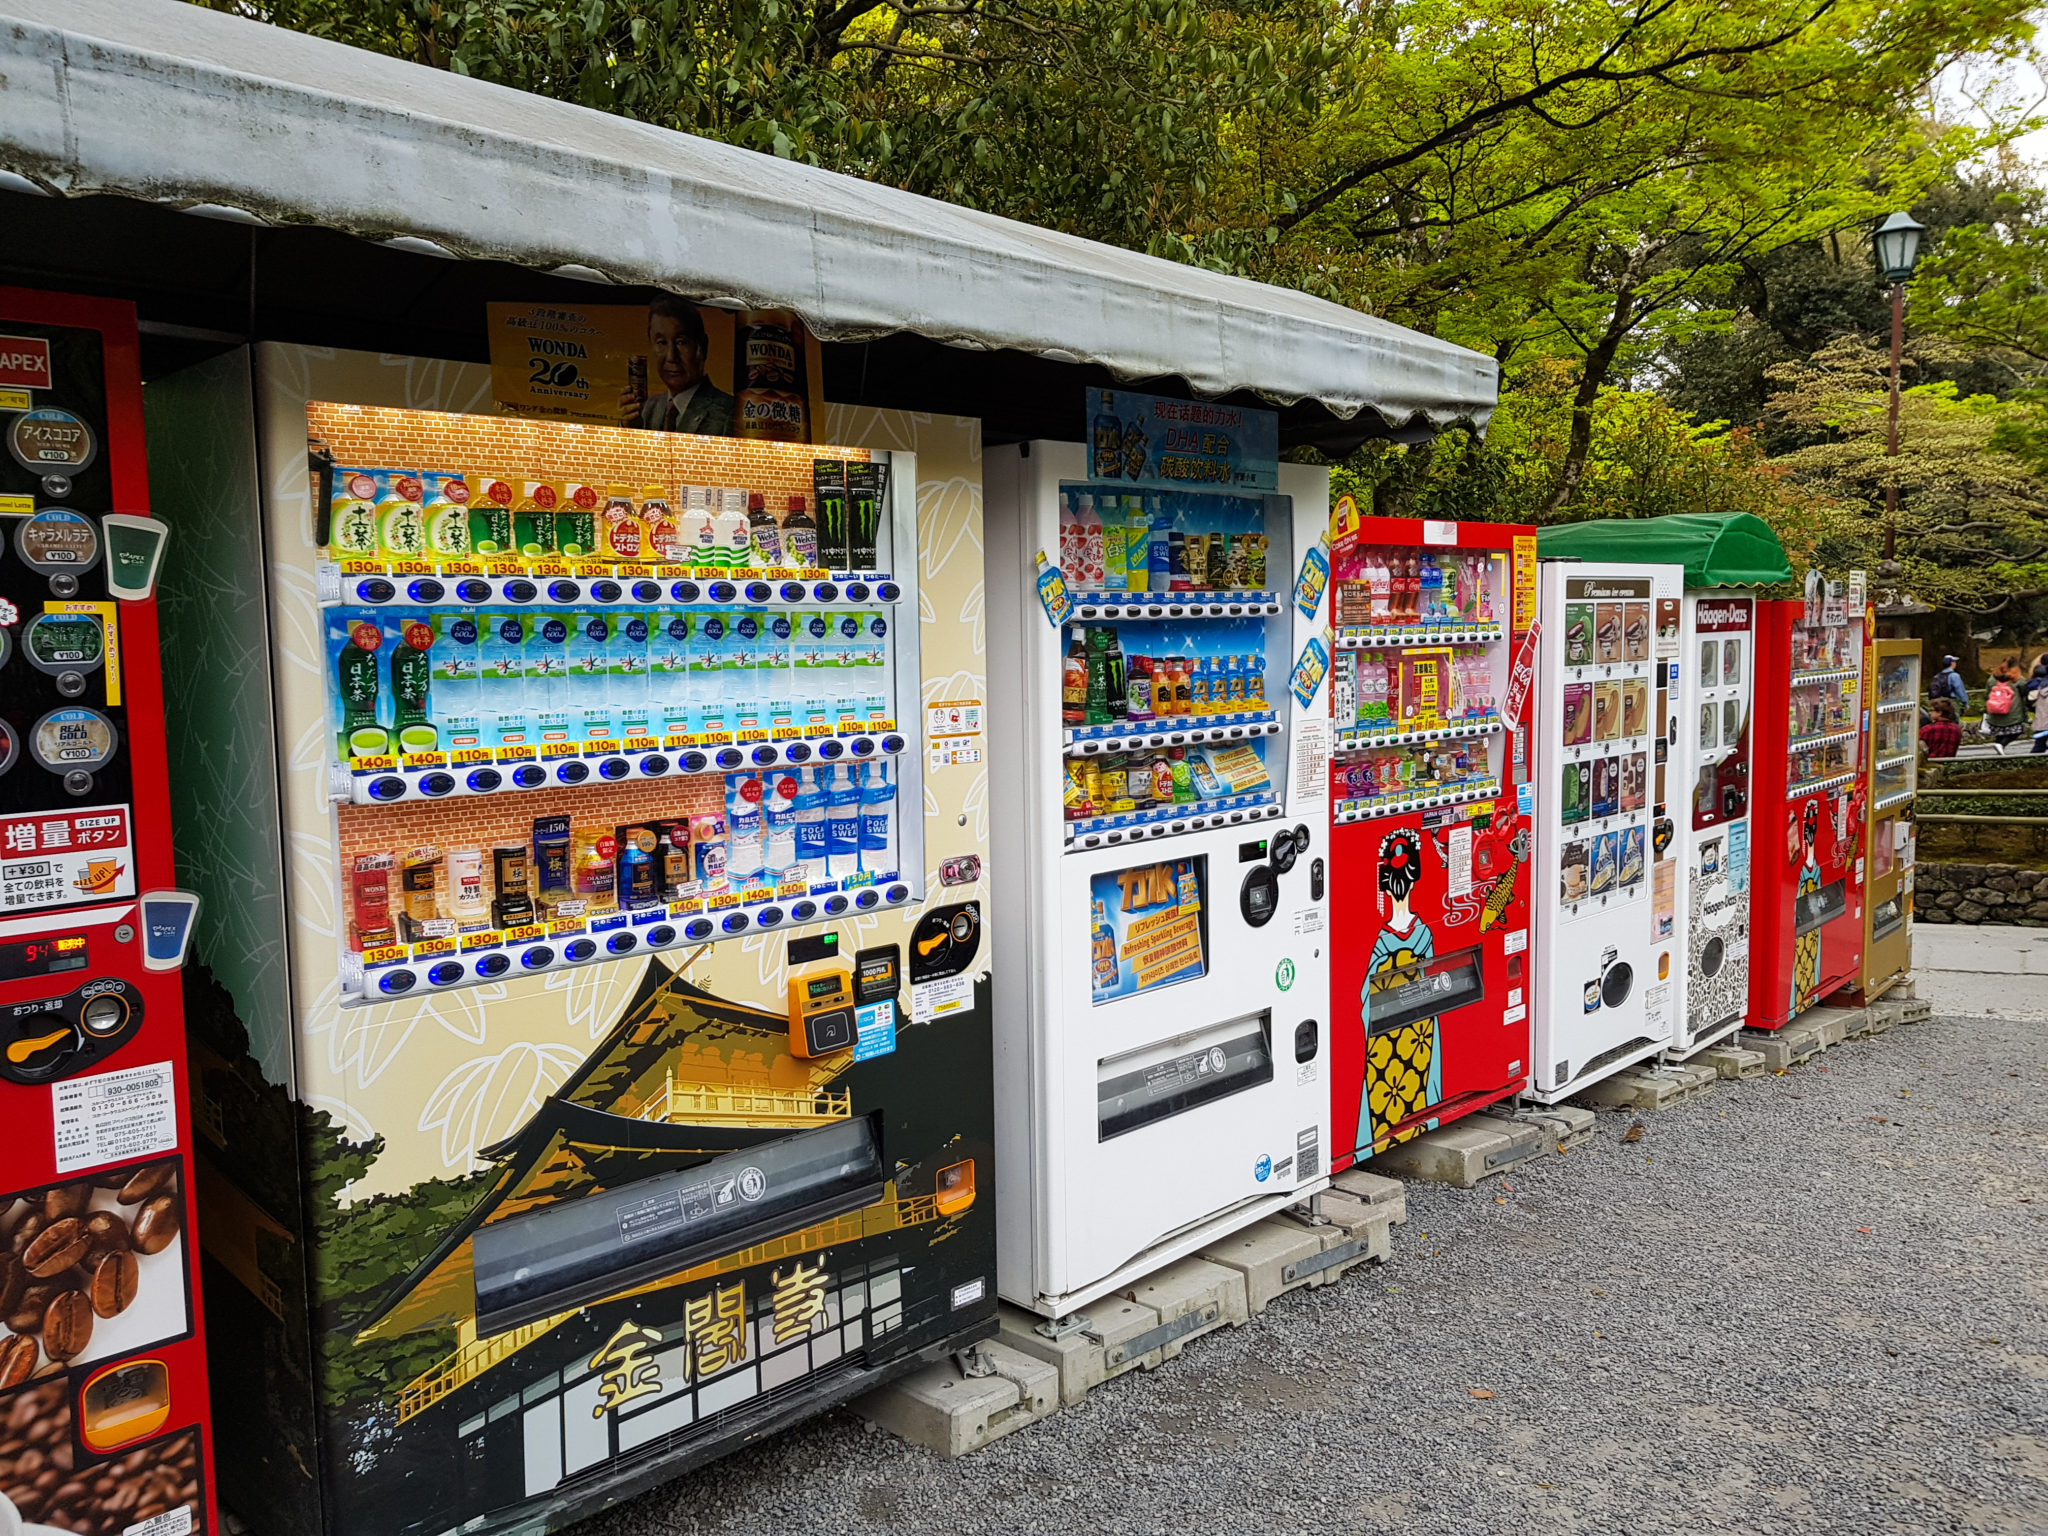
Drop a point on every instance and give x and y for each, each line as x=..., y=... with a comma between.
x=1905, y=1009
x=962, y=1404
x=1732, y=1061
x=1651, y=1086
x=1566, y=1124
x=1145, y=1326
x=1466, y=1151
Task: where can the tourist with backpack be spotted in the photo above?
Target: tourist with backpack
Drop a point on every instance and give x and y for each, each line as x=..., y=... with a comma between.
x=2007, y=715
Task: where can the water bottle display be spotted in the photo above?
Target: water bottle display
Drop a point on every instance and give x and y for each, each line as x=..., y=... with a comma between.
x=590, y=713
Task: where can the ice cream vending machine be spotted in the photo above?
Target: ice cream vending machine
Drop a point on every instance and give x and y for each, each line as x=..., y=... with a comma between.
x=1893, y=667
x=1434, y=763
x=103, y=1387
x=1160, y=866
x=1606, y=930
x=1807, y=869
x=595, y=1057
x=1710, y=810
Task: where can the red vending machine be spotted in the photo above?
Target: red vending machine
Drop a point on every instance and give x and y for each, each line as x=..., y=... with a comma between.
x=1435, y=637
x=103, y=1405
x=1806, y=887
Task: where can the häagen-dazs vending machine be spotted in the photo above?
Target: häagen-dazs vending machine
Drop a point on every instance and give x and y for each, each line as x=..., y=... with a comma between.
x=104, y=1421
x=593, y=1058
x=1807, y=870
x=1430, y=871
x=1160, y=861
x=1606, y=925
x=1893, y=667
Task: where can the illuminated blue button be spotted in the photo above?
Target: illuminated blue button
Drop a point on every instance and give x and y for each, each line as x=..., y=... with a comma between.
x=426, y=590
x=614, y=768
x=758, y=591
x=435, y=785
x=834, y=905
x=529, y=775
x=389, y=787
x=660, y=934
x=892, y=743
x=580, y=949
x=730, y=757
x=856, y=591
x=792, y=592
x=537, y=958
x=797, y=752
x=695, y=762
x=863, y=746
x=723, y=591
x=825, y=592
x=831, y=751
x=605, y=591
x=803, y=911
x=473, y=589
x=888, y=591
x=654, y=765
x=770, y=916
x=736, y=922
x=446, y=974
x=483, y=780
x=698, y=928
x=493, y=965
x=646, y=591
x=898, y=893
x=684, y=591
x=395, y=982
x=573, y=772
x=520, y=590
x=621, y=943
x=866, y=899
x=375, y=589
x=765, y=755
x=564, y=591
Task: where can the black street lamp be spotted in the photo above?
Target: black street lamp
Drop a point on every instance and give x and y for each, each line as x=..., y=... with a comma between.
x=1896, y=245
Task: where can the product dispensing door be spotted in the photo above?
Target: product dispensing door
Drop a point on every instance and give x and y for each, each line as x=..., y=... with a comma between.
x=102, y=1366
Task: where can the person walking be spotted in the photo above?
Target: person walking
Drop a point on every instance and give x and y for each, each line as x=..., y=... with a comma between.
x=1941, y=735
x=2006, y=715
x=1948, y=683
x=2037, y=699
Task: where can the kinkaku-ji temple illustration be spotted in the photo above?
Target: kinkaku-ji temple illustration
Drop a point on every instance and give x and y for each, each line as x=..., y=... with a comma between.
x=711, y=1149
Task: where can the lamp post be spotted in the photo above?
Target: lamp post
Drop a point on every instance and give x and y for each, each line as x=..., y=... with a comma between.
x=1896, y=245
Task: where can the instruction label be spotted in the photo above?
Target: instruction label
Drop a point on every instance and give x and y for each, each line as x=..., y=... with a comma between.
x=114, y=1116
x=932, y=1000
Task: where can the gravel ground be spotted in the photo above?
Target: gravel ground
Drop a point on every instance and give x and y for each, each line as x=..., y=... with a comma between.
x=1815, y=1302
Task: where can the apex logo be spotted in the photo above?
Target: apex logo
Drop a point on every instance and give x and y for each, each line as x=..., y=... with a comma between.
x=24, y=362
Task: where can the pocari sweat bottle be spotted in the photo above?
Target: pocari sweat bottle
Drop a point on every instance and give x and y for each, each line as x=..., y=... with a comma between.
x=842, y=823
x=877, y=811
x=810, y=823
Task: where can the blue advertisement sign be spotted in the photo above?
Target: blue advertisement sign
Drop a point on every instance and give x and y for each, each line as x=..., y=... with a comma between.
x=1181, y=445
x=1145, y=928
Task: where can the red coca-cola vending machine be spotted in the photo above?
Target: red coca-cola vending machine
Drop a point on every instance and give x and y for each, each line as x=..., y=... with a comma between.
x=1806, y=885
x=103, y=1399
x=1430, y=795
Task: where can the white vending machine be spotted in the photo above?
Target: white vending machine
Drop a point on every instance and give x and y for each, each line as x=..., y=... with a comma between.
x=1606, y=867
x=1158, y=808
x=1716, y=662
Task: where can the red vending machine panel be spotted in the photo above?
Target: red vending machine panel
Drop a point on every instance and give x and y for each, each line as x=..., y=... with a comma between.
x=1806, y=886
x=1435, y=629
x=102, y=1364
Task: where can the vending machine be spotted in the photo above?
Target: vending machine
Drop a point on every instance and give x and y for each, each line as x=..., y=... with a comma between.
x=1893, y=667
x=1160, y=866
x=1432, y=775
x=596, y=1068
x=103, y=1386
x=1606, y=933
x=1807, y=870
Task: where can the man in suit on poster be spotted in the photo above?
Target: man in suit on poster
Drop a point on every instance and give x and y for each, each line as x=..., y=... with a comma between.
x=689, y=402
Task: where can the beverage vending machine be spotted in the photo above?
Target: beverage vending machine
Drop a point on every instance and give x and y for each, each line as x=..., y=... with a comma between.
x=103, y=1386
x=1160, y=867
x=1893, y=667
x=1433, y=765
x=596, y=1069
x=1807, y=871
x=1605, y=861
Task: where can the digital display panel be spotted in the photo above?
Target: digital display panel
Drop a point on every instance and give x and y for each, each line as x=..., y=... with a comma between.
x=42, y=956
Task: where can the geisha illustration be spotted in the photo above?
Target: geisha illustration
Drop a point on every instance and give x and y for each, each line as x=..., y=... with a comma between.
x=1806, y=948
x=1403, y=1068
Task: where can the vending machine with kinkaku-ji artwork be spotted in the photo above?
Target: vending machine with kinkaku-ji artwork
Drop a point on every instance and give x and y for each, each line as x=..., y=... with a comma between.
x=594, y=1052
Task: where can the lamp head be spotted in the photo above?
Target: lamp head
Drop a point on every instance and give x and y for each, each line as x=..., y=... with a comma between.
x=1896, y=246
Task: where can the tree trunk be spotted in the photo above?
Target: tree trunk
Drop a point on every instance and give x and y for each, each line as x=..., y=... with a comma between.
x=1592, y=376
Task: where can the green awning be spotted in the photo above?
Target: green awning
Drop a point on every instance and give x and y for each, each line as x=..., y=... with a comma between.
x=1717, y=549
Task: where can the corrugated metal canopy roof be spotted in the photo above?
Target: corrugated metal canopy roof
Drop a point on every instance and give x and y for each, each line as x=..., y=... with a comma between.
x=163, y=101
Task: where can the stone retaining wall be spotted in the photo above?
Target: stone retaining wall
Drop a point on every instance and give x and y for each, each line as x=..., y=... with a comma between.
x=1980, y=893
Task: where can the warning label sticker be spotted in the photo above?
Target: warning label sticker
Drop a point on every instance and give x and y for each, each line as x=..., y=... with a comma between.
x=114, y=1116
